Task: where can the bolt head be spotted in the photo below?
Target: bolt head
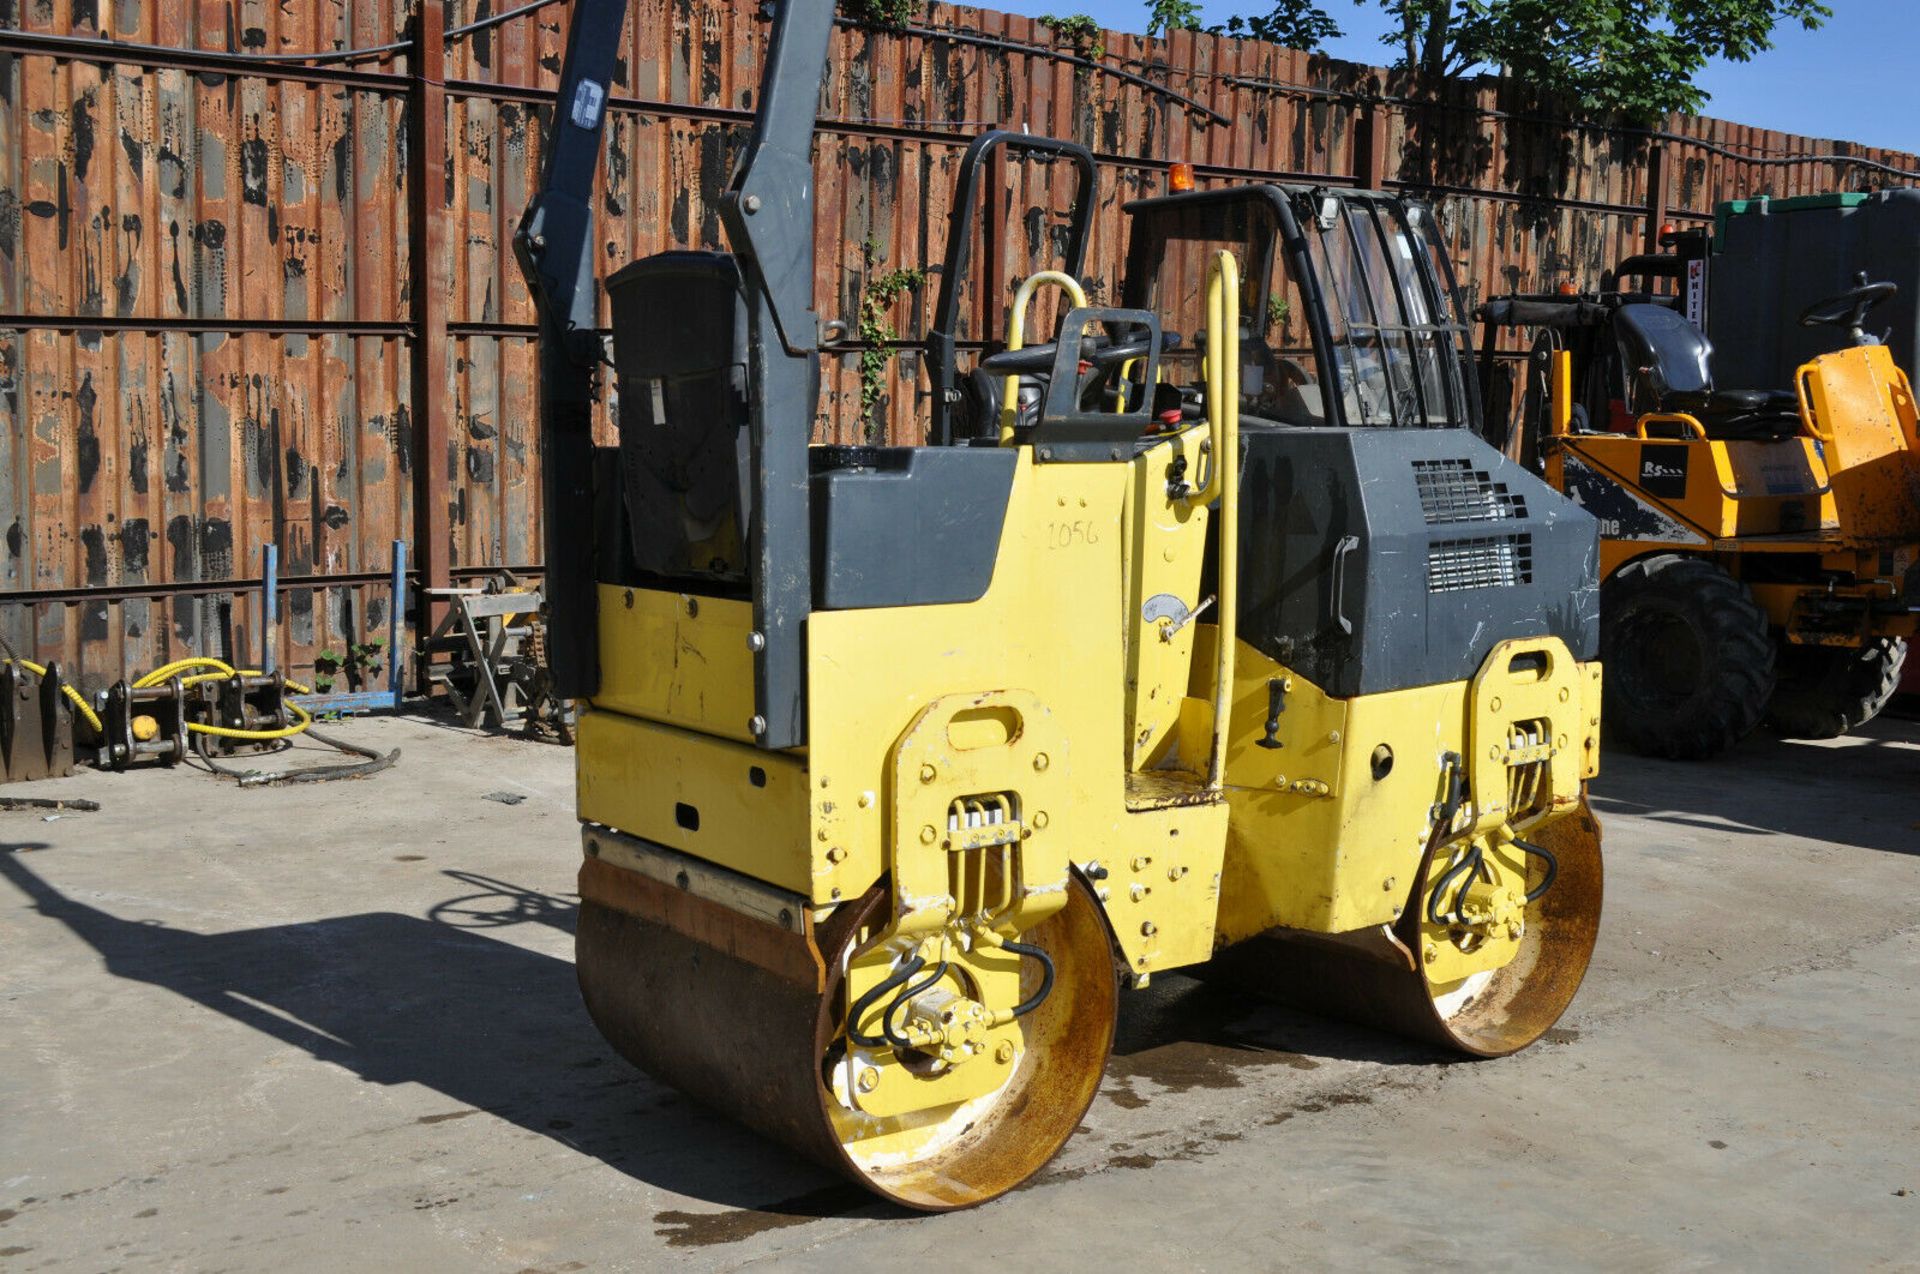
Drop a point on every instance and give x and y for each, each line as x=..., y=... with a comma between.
x=751, y=203
x=928, y=835
x=756, y=642
x=1147, y=928
x=1040, y=761
x=869, y=1080
x=756, y=725
x=1004, y=1053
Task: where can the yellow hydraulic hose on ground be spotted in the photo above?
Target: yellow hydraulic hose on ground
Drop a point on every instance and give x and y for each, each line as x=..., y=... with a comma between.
x=79, y=700
x=221, y=671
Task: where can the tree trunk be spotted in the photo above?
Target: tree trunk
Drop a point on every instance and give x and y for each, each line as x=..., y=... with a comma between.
x=1434, y=61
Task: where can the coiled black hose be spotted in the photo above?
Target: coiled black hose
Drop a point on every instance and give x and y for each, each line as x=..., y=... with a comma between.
x=1553, y=866
x=1470, y=865
x=913, y=965
x=1046, y=976
x=905, y=998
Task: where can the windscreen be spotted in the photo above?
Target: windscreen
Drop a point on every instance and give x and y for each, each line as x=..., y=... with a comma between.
x=1398, y=346
x=1277, y=376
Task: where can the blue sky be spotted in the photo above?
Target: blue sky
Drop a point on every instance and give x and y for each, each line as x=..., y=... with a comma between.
x=1856, y=79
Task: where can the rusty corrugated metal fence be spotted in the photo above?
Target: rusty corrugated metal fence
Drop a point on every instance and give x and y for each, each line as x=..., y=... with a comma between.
x=246, y=301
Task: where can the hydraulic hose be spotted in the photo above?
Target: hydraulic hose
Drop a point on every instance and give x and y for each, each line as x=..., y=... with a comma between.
x=78, y=700
x=1046, y=976
x=913, y=965
x=1470, y=865
x=220, y=671
x=1553, y=866
x=903, y=999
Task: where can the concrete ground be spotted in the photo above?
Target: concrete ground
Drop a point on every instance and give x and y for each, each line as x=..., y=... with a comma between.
x=336, y=1026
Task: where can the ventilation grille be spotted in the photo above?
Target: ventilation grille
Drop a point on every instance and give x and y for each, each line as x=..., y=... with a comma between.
x=1455, y=491
x=1488, y=561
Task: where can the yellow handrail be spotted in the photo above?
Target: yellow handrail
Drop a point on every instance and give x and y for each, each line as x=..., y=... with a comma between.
x=1560, y=379
x=1689, y=423
x=1223, y=483
x=1016, y=335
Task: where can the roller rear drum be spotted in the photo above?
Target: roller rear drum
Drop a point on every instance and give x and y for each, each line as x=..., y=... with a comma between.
x=1396, y=978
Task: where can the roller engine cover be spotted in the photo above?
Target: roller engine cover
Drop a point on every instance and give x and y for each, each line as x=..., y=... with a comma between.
x=1382, y=559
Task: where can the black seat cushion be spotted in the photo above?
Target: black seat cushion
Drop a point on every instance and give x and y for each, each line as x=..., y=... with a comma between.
x=1740, y=415
x=1737, y=400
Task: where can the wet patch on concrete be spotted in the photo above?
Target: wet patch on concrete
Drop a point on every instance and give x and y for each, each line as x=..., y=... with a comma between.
x=1331, y=1100
x=1197, y=1036
x=1559, y=1035
x=1185, y=1065
x=708, y=1229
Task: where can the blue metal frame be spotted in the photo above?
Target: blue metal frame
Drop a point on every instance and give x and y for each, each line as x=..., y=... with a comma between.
x=354, y=701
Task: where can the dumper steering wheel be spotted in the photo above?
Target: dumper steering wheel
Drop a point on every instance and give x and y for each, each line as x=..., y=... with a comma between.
x=1849, y=309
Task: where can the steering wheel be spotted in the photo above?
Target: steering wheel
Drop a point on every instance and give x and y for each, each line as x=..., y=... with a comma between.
x=1849, y=309
x=1031, y=360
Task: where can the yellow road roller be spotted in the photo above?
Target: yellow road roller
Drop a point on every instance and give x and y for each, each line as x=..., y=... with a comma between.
x=1201, y=635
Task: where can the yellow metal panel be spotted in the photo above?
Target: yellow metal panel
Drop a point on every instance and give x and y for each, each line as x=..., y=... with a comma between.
x=747, y=807
x=678, y=658
x=1163, y=563
x=1328, y=830
x=1861, y=406
x=1618, y=456
x=1051, y=628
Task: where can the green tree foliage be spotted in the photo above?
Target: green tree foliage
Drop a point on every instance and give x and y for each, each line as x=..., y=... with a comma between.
x=1173, y=15
x=1638, y=58
x=1298, y=24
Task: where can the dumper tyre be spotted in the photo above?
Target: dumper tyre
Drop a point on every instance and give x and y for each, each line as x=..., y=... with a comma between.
x=1689, y=658
x=1823, y=692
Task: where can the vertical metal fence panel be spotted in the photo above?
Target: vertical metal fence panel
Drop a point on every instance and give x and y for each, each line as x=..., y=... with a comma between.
x=208, y=312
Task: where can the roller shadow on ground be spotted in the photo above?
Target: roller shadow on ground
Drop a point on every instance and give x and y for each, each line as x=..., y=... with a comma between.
x=1773, y=786
x=498, y=1028
x=494, y=1027
x=1184, y=1033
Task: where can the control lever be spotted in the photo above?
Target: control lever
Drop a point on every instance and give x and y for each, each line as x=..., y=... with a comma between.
x=1276, y=704
x=1167, y=632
